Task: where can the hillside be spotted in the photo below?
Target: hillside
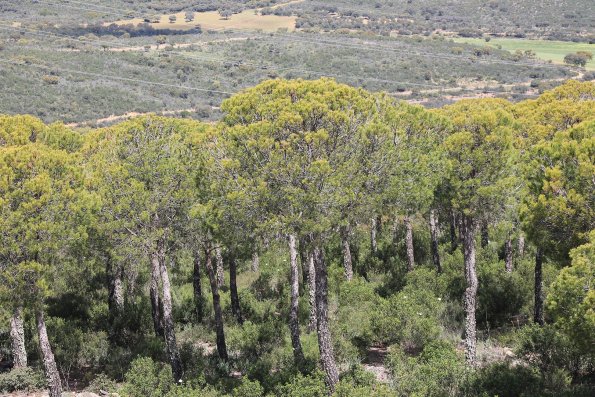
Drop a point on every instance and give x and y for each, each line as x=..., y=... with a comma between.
x=71, y=51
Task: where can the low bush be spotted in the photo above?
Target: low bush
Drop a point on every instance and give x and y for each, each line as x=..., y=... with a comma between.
x=102, y=382
x=438, y=371
x=409, y=318
x=22, y=379
x=147, y=378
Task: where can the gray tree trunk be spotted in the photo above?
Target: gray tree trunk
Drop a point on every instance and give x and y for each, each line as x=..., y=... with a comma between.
x=155, y=296
x=17, y=339
x=521, y=245
x=538, y=316
x=454, y=241
x=221, y=346
x=312, y=292
x=198, y=298
x=115, y=300
x=485, y=234
x=347, y=259
x=508, y=254
x=325, y=343
x=373, y=239
x=304, y=263
x=49, y=363
x=168, y=320
x=468, y=228
x=409, y=244
x=233, y=290
x=294, y=325
x=220, y=272
x=255, y=261
x=434, y=237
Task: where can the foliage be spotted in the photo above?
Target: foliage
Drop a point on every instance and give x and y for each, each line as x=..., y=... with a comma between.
x=102, y=382
x=82, y=213
x=304, y=386
x=146, y=378
x=248, y=388
x=439, y=370
x=409, y=318
x=22, y=379
x=557, y=212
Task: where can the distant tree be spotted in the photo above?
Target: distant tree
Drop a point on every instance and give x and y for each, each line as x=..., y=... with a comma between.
x=578, y=59
x=587, y=54
x=225, y=13
x=189, y=16
x=161, y=40
x=172, y=18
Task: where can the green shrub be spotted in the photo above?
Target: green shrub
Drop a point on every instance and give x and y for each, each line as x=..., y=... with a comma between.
x=22, y=379
x=409, y=318
x=348, y=389
x=571, y=300
x=438, y=371
x=188, y=391
x=147, y=378
x=357, y=301
x=304, y=386
x=548, y=349
x=249, y=388
x=102, y=382
x=503, y=380
x=501, y=295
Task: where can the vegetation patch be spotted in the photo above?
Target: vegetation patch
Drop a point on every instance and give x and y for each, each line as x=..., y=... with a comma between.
x=547, y=50
x=217, y=20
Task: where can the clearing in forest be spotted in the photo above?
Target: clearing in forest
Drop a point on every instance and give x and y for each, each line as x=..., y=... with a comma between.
x=547, y=50
x=212, y=20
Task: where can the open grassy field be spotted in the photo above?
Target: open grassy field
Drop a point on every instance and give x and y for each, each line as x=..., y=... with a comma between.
x=544, y=49
x=248, y=19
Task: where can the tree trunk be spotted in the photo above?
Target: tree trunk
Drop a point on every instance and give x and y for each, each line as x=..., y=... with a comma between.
x=49, y=363
x=312, y=292
x=347, y=260
x=255, y=261
x=468, y=228
x=154, y=295
x=304, y=262
x=409, y=244
x=373, y=230
x=115, y=299
x=434, y=238
x=221, y=346
x=454, y=241
x=294, y=326
x=508, y=254
x=233, y=290
x=17, y=339
x=325, y=343
x=168, y=320
x=198, y=298
x=521, y=245
x=485, y=235
x=538, y=317
x=220, y=271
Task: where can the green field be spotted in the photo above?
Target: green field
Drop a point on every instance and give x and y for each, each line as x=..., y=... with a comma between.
x=544, y=49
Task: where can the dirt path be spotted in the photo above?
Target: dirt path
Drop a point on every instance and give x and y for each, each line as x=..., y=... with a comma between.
x=374, y=363
x=284, y=4
x=121, y=117
x=155, y=47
